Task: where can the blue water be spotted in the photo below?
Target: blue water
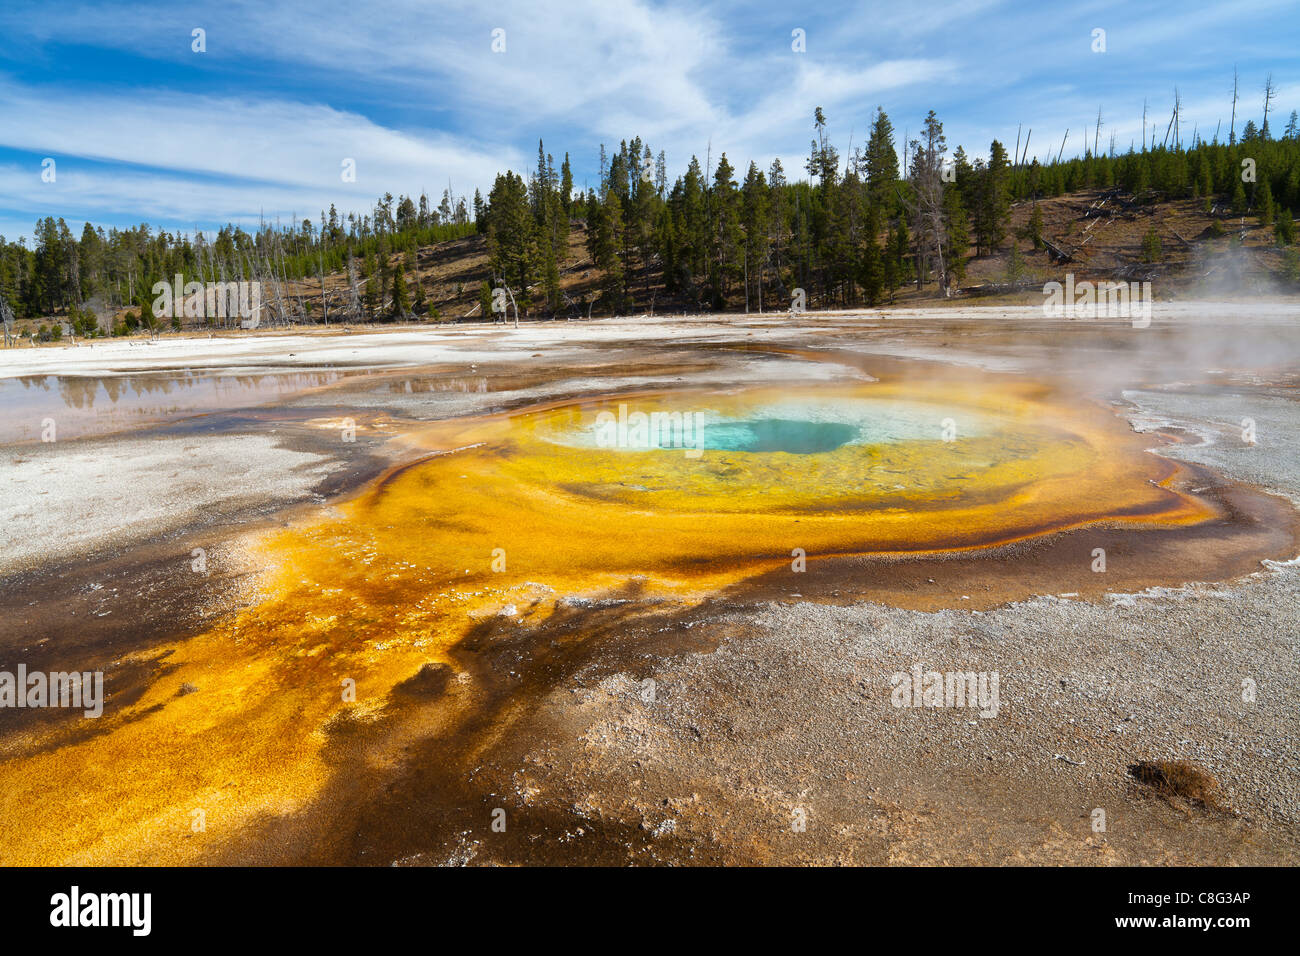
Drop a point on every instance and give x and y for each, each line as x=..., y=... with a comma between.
x=797, y=425
x=778, y=434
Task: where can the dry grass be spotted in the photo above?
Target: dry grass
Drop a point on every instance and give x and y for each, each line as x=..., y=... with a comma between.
x=1179, y=779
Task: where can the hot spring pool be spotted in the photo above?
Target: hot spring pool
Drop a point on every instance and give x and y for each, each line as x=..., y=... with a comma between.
x=576, y=499
x=807, y=426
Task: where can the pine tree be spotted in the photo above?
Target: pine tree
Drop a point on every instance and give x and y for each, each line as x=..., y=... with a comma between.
x=1264, y=202
x=1034, y=230
x=643, y=217
x=604, y=242
x=873, y=273
x=401, y=294
x=1284, y=229
x=371, y=295
x=1015, y=264
x=694, y=224
x=566, y=188
x=754, y=203
x=1151, y=247
x=511, y=233
x=480, y=213
x=1239, y=198
x=994, y=203
x=958, y=237
x=882, y=162
x=898, y=266
x=725, y=238
x=778, y=217
x=550, y=279
x=418, y=303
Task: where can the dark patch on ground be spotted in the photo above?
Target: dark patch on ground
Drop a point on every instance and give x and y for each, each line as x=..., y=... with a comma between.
x=1255, y=525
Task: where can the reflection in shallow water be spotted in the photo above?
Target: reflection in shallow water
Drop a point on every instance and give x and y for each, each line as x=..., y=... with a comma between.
x=477, y=384
x=83, y=405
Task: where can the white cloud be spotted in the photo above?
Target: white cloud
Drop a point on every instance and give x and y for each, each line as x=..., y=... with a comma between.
x=274, y=141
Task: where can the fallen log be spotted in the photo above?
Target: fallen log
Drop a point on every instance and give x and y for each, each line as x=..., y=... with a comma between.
x=1000, y=288
x=1056, y=253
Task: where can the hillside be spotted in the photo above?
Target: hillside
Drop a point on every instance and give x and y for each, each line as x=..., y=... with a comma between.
x=1202, y=252
x=1102, y=229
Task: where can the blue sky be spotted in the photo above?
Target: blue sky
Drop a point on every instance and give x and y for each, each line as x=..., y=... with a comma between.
x=142, y=128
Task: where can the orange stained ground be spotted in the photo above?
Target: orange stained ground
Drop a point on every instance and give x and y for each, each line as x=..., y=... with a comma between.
x=496, y=513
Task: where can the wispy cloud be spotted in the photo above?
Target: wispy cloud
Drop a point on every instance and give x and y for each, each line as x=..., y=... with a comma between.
x=259, y=140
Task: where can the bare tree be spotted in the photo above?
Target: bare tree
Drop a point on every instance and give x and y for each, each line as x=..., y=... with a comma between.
x=926, y=205
x=354, y=290
x=1232, y=128
x=1270, y=91
x=1178, y=109
x=513, y=303
x=7, y=317
x=1173, y=122
x=320, y=274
